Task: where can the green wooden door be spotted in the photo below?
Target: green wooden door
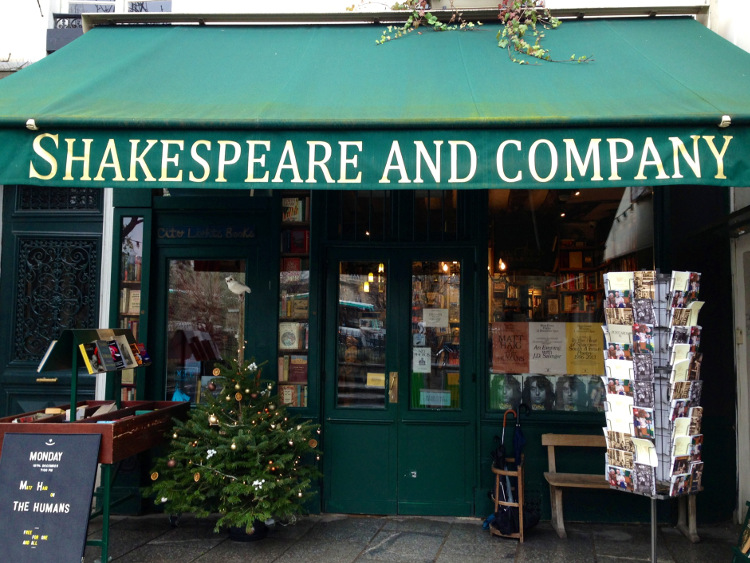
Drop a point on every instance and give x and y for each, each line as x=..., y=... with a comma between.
x=399, y=422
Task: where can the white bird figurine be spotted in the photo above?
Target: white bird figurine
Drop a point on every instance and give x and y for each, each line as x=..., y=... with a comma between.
x=237, y=287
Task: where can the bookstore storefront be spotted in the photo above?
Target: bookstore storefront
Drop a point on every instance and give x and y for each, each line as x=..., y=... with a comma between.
x=424, y=227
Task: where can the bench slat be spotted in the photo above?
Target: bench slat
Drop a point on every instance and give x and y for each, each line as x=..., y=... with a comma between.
x=578, y=480
x=582, y=440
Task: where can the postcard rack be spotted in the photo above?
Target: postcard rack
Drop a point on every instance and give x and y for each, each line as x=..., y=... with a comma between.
x=653, y=408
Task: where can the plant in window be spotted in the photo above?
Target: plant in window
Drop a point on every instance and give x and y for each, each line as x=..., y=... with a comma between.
x=239, y=454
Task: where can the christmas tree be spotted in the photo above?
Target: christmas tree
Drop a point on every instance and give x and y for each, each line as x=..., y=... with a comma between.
x=239, y=454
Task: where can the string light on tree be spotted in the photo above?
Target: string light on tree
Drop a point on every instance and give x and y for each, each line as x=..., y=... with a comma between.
x=227, y=429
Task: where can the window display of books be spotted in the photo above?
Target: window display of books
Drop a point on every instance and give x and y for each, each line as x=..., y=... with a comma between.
x=131, y=273
x=294, y=288
x=653, y=384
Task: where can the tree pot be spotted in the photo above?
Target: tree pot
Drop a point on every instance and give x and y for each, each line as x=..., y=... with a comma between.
x=258, y=532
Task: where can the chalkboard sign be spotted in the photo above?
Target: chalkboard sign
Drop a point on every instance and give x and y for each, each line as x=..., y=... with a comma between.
x=46, y=485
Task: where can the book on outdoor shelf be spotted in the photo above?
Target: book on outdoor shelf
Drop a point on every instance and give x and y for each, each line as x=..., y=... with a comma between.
x=104, y=356
x=144, y=354
x=90, y=357
x=117, y=353
x=136, y=353
x=125, y=352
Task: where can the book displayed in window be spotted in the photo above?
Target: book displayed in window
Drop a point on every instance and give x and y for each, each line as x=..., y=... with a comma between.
x=295, y=209
x=292, y=336
x=298, y=368
x=293, y=395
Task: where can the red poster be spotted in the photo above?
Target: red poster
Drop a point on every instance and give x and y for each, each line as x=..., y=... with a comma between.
x=510, y=347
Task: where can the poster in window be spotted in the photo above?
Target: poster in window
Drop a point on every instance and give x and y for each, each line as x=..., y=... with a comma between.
x=547, y=348
x=421, y=359
x=510, y=347
x=584, y=355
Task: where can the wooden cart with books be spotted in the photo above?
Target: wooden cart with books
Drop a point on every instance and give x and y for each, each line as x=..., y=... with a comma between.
x=126, y=427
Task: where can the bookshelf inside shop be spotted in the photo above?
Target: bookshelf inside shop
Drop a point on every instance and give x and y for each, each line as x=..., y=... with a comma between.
x=579, y=277
x=294, y=298
x=131, y=275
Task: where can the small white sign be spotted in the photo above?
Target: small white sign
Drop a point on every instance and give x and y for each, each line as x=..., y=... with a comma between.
x=435, y=318
x=421, y=359
x=434, y=398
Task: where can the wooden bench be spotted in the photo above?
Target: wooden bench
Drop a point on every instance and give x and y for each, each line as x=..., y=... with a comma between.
x=559, y=481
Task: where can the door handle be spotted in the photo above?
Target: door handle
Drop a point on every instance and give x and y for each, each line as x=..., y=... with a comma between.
x=393, y=387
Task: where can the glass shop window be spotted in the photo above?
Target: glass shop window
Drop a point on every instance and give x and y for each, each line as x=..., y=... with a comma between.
x=548, y=251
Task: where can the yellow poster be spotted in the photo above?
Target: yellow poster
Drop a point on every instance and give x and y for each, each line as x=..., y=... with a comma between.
x=376, y=379
x=585, y=348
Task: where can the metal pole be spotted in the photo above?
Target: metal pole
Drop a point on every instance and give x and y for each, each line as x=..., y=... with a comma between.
x=653, y=530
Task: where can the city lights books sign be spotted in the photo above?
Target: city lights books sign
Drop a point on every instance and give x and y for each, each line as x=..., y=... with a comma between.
x=46, y=485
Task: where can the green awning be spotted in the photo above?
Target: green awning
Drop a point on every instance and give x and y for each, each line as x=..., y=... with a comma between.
x=321, y=106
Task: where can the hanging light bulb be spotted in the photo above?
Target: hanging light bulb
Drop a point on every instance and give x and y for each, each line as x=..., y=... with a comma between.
x=502, y=265
x=366, y=287
x=370, y=277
